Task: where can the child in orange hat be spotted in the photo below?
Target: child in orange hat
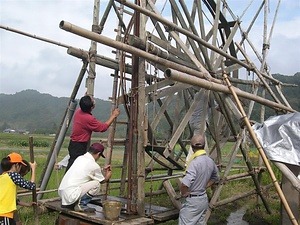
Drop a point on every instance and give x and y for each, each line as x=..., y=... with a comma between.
x=9, y=180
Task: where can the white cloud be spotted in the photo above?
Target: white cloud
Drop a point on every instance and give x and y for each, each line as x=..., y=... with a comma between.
x=26, y=63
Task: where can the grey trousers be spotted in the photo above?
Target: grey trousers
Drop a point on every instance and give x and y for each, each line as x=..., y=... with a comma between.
x=193, y=211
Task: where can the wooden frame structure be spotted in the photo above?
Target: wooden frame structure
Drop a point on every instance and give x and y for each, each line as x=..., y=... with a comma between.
x=197, y=47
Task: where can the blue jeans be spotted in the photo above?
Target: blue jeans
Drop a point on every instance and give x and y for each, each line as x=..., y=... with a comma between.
x=85, y=199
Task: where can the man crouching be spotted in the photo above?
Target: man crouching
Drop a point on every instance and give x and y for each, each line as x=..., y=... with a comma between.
x=82, y=181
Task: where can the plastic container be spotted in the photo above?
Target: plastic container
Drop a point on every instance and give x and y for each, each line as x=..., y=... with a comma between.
x=112, y=209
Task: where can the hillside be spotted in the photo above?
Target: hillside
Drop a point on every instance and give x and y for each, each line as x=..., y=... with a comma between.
x=292, y=94
x=42, y=113
x=39, y=113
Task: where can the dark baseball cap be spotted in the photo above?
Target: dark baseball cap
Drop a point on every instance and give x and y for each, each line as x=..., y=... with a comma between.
x=98, y=148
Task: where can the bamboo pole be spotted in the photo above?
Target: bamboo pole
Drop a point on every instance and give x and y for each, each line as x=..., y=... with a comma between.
x=35, y=37
x=142, y=119
x=140, y=53
x=186, y=78
x=189, y=34
x=240, y=196
x=261, y=151
x=114, y=103
x=258, y=74
x=34, y=196
x=288, y=174
x=211, y=84
x=90, y=81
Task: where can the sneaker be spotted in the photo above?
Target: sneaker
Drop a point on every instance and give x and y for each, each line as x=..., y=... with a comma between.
x=84, y=208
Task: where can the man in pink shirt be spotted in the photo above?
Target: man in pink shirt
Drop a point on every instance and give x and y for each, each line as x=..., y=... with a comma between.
x=83, y=126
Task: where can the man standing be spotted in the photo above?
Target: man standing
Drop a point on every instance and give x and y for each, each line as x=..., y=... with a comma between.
x=84, y=124
x=82, y=181
x=200, y=174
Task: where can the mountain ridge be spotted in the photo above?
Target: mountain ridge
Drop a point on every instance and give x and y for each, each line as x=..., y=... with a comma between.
x=42, y=113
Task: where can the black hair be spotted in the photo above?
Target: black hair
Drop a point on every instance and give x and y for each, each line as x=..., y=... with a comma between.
x=6, y=164
x=86, y=103
x=24, y=169
x=197, y=146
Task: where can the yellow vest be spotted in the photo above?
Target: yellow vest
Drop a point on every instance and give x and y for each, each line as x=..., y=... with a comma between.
x=8, y=196
x=197, y=153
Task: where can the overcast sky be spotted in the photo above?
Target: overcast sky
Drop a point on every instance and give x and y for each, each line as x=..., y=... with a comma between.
x=26, y=63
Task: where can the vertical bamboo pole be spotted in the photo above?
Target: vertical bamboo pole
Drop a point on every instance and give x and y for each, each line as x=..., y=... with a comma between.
x=90, y=82
x=34, y=196
x=112, y=128
x=261, y=151
x=142, y=122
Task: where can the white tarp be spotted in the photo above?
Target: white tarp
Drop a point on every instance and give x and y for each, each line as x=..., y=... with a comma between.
x=280, y=138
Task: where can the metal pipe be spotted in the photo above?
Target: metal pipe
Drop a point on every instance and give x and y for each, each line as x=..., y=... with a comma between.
x=57, y=147
x=72, y=97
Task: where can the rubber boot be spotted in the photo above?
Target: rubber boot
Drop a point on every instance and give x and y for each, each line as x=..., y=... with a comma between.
x=82, y=204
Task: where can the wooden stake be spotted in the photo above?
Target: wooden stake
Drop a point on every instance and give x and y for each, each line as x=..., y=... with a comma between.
x=261, y=151
x=34, y=196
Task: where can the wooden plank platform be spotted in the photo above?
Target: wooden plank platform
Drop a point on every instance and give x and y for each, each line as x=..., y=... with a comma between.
x=69, y=216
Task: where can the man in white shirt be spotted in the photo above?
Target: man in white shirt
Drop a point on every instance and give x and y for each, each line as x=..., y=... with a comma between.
x=82, y=181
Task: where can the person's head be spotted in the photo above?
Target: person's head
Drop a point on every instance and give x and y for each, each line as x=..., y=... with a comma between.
x=25, y=169
x=197, y=142
x=97, y=150
x=5, y=164
x=87, y=103
x=13, y=159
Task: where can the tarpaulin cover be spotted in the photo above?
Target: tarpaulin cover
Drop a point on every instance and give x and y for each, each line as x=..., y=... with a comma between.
x=280, y=138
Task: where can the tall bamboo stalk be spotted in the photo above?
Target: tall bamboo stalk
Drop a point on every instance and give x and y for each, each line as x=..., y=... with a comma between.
x=261, y=152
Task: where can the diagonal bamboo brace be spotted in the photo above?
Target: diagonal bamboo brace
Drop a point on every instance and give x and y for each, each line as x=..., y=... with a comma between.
x=261, y=152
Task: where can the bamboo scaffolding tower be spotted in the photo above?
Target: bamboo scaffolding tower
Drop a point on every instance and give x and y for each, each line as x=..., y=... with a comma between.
x=165, y=52
x=196, y=67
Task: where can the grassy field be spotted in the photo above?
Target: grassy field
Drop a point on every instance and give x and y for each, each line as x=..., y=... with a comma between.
x=256, y=214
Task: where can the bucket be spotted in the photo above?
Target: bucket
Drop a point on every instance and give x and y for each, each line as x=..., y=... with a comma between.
x=112, y=209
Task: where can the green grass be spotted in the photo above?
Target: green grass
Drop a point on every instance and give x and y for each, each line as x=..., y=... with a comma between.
x=218, y=216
